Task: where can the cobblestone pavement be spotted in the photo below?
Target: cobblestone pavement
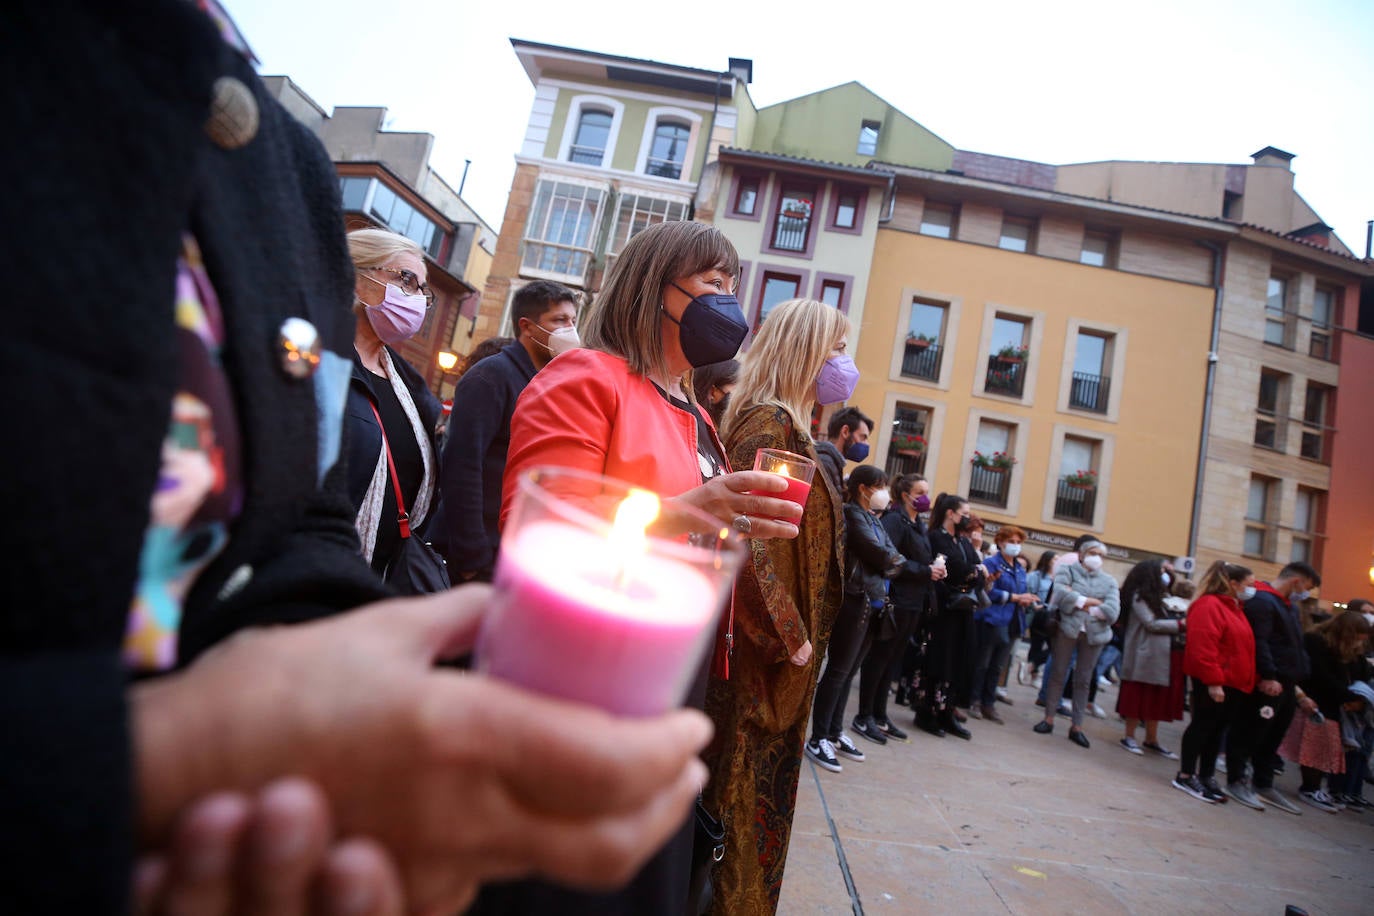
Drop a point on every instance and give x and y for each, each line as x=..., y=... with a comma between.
x=1015, y=822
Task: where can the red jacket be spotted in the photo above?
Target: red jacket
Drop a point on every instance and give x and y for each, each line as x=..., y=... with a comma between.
x=586, y=410
x=1221, y=646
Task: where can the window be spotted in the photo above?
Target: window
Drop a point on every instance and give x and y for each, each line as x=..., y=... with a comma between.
x=1258, y=540
x=1276, y=313
x=1314, y=425
x=593, y=132
x=777, y=288
x=1090, y=386
x=937, y=220
x=747, y=196
x=1323, y=312
x=1076, y=496
x=1016, y=234
x=906, y=451
x=792, y=230
x=1269, y=424
x=1097, y=249
x=832, y=292
x=847, y=209
x=1305, y=513
x=638, y=212
x=669, y=149
x=986, y=484
x=924, y=334
x=562, y=223
x=868, y=138
x=1006, y=373
x=370, y=196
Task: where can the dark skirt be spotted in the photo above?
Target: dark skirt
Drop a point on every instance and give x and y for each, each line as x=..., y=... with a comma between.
x=1155, y=702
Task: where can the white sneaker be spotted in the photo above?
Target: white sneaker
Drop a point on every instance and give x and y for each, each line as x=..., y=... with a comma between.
x=1103, y=682
x=1319, y=799
x=1097, y=711
x=823, y=752
x=847, y=747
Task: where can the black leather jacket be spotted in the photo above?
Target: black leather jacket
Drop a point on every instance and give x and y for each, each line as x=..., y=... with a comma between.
x=871, y=556
x=912, y=586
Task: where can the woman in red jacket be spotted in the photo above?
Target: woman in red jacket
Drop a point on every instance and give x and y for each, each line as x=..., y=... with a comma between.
x=619, y=408
x=1220, y=658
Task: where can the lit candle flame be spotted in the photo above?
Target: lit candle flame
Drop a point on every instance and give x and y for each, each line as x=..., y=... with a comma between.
x=627, y=538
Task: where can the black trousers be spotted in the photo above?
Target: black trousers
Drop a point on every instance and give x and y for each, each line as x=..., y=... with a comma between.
x=876, y=669
x=849, y=641
x=1255, y=738
x=1202, y=737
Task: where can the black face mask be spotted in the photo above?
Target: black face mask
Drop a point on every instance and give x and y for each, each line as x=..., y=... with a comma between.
x=711, y=329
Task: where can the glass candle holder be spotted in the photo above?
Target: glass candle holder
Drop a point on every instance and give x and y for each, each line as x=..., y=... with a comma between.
x=605, y=594
x=797, y=470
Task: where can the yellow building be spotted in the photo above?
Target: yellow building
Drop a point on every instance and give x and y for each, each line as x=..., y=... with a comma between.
x=1068, y=333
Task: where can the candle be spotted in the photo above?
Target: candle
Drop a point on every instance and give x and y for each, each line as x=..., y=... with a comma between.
x=797, y=470
x=602, y=613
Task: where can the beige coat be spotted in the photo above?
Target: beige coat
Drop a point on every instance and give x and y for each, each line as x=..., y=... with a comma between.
x=1145, y=656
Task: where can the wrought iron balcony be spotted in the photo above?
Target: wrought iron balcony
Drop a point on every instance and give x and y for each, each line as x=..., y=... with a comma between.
x=1089, y=392
x=989, y=485
x=1005, y=376
x=1075, y=503
x=663, y=168
x=790, y=233
x=586, y=155
x=922, y=362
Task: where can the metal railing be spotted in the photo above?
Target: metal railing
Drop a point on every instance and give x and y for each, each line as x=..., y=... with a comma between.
x=1089, y=392
x=663, y=168
x=587, y=155
x=1075, y=503
x=989, y=485
x=790, y=233
x=922, y=362
x=1005, y=376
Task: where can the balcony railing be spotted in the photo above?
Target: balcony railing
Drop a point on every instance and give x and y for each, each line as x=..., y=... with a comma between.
x=586, y=155
x=1005, y=376
x=1089, y=392
x=989, y=485
x=922, y=362
x=1075, y=503
x=909, y=463
x=790, y=234
x=663, y=168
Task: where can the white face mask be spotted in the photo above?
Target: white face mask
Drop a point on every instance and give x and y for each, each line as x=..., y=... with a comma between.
x=1369, y=619
x=1301, y=596
x=561, y=340
x=1246, y=593
x=880, y=500
x=1012, y=550
x=1092, y=562
x=1164, y=577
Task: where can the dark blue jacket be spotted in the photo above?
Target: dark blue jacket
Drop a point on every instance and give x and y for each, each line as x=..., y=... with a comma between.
x=1004, y=580
x=474, y=459
x=1279, y=652
x=910, y=588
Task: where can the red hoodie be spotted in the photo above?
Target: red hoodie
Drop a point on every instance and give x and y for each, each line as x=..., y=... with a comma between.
x=1221, y=646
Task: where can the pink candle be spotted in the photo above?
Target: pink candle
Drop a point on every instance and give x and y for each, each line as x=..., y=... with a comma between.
x=797, y=491
x=574, y=624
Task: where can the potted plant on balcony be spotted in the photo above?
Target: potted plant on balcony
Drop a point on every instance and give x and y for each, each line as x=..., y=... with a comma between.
x=918, y=341
x=908, y=444
x=797, y=208
x=999, y=462
x=1082, y=480
x=1013, y=354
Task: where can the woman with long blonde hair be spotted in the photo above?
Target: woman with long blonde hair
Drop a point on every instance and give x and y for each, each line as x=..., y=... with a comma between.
x=785, y=602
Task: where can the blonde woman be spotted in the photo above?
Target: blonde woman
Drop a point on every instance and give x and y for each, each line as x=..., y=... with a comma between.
x=785, y=603
x=390, y=299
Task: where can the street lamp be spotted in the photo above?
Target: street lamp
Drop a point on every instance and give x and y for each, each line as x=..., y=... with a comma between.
x=446, y=360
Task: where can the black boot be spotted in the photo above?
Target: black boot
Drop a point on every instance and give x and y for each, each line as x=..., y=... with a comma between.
x=903, y=697
x=926, y=722
x=951, y=725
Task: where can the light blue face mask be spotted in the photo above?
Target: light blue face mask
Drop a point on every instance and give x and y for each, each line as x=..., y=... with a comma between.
x=1246, y=593
x=1301, y=596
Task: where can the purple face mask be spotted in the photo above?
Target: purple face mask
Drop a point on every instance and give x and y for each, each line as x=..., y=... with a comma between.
x=923, y=503
x=837, y=379
x=398, y=316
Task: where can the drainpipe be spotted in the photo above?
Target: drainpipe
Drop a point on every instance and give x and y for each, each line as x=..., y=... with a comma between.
x=706, y=150
x=1218, y=262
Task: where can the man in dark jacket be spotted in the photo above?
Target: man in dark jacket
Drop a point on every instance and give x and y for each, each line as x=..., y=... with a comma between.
x=1280, y=662
x=545, y=318
x=846, y=440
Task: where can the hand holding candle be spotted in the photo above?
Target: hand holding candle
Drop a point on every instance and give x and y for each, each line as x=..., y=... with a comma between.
x=605, y=594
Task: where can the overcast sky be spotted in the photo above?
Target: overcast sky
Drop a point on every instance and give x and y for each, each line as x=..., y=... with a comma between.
x=1193, y=81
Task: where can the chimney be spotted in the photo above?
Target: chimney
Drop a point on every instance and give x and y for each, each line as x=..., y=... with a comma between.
x=742, y=68
x=1272, y=155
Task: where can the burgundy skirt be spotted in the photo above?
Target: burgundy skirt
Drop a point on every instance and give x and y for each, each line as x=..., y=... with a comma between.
x=1155, y=702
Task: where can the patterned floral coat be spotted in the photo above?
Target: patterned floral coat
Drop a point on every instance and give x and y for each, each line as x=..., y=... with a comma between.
x=789, y=593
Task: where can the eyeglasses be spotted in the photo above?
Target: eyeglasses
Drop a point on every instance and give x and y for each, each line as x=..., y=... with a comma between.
x=409, y=284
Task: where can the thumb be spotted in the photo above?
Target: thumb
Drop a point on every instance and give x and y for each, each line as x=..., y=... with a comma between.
x=438, y=626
